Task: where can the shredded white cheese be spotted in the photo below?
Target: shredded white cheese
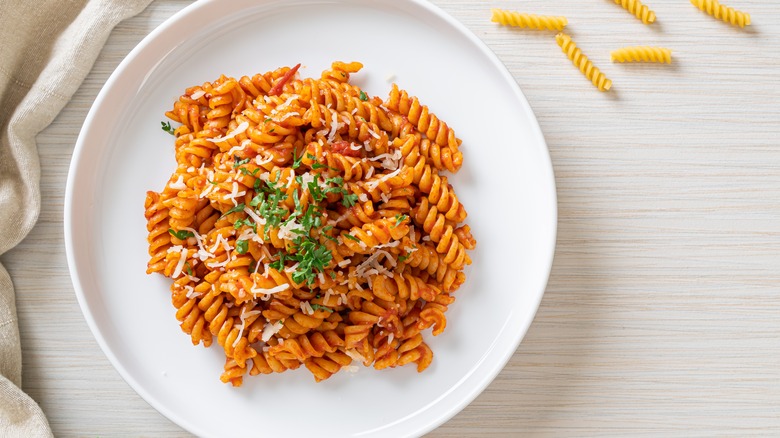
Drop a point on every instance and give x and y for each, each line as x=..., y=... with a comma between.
x=276, y=289
x=180, y=264
x=239, y=130
x=355, y=355
x=178, y=184
x=373, y=184
x=197, y=94
x=270, y=330
x=306, y=308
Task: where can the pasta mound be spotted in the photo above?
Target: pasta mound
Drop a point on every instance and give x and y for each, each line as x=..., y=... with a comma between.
x=309, y=223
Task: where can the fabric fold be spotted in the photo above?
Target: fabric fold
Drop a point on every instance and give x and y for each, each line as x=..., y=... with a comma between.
x=48, y=49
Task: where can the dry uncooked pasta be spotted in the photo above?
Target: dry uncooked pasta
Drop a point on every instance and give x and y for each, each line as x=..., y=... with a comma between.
x=723, y=12
x=582, y=62
x=308, y=223
x=529, y=21
x=638, y=9
x=642, y=54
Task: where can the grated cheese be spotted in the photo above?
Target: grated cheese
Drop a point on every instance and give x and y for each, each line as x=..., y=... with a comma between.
x=258, y=290
x=180, y=264
x=373, y=184
x=197, y=94
x=239, y=130
x=355, y=355
x=270, y=330
x=235, y=193
x=307, y=308
x=240, y=147
x=179, y=184
x=334, y=126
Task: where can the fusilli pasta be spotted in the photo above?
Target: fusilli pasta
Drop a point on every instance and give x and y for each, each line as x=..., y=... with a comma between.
x=723, y=12
x=583, y=63
x=642, y=54
x=308, y=223
x=638, y=9
x=529, y=21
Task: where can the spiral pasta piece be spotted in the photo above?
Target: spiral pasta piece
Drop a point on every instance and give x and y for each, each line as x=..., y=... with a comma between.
x=582, y=62
x=528, y=21
x=426, y=122
x=642, y=54
x=638, y=9
x=308, y=224
x=722, y=12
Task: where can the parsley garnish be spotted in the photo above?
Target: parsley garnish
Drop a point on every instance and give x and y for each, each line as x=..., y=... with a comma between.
x=181, y=234
x=242, y=246
x=317, y=166
x=318, y=307
x=166, y=126
x=189, y=268
x=297, y=160
x=351, y=237
x=246, y=171
x=403, y=258
x=349, y=199
x=363, y=96
x=238, y=161
x=246, y=221
x=400, y=218
x=236, y=209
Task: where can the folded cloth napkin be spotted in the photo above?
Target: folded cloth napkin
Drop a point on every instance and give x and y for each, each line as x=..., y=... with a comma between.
x=48, y=47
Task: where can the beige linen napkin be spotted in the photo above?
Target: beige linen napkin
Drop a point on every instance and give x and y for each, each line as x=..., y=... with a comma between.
x=48, y=47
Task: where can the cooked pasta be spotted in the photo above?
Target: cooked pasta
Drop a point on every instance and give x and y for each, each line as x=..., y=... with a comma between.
x=308, y=223
x=528, y=21
x=638, y=9
x=583, y=63
x=723, y=12
x=642, y=54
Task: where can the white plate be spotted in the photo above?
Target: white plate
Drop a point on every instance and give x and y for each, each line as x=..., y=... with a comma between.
x=506, y=184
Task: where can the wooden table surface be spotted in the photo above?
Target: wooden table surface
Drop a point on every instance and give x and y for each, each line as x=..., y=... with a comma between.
x=662, y=313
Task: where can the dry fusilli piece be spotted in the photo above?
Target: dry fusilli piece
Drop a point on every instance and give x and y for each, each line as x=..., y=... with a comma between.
x=638, y=9
x=642, y=54
x=529, y=21
x=723, y=12
x=582, y=62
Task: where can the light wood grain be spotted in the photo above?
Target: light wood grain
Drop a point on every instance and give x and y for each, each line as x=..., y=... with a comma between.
x=662, y=314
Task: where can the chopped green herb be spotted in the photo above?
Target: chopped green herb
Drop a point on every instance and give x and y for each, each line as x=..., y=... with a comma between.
x=266, y=120
x=212, y=182
x=296, y=161
x=166, y=126
x=363, y=96
x=238, y=161
x=181, y=234
x=246, y=171
x=246, y=221
x=236, y=209
x=318, y=307
x=400, y=218
x=317, y=166
x=403, y=258
x=351, y=237
x=242, y=246
x=349, y=199
x=189, y=268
